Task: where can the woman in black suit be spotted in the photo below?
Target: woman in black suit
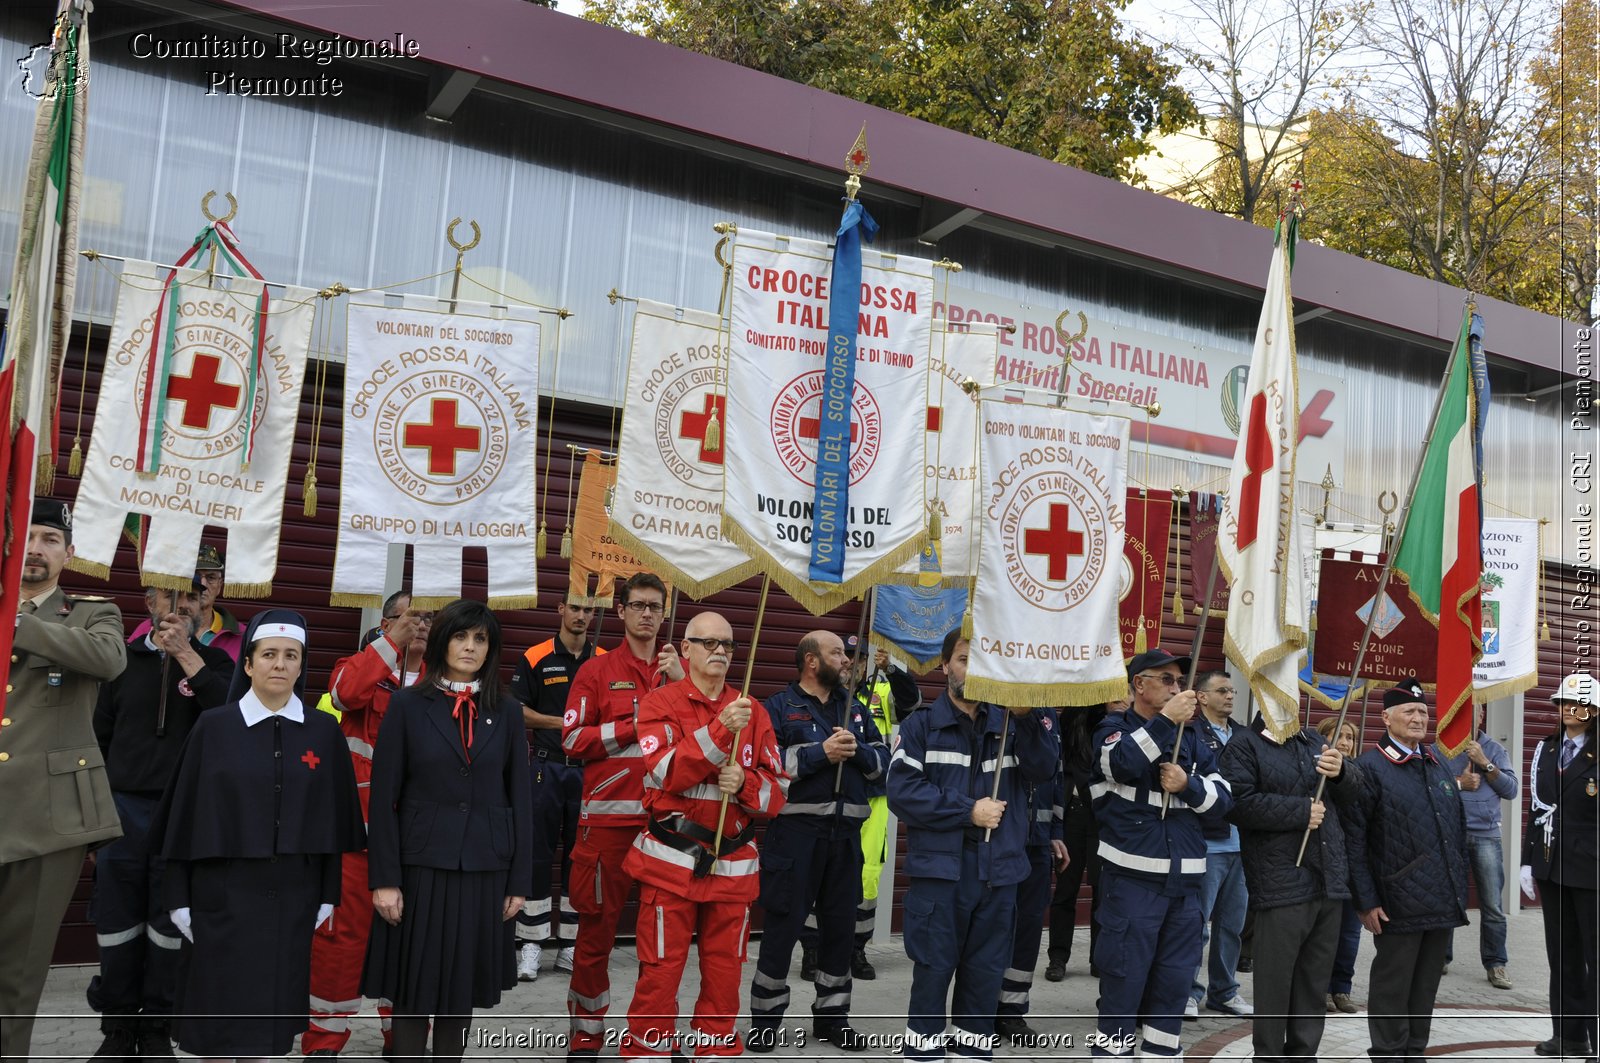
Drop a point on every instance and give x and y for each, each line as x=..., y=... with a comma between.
x=448, y=838
x=1559, y=853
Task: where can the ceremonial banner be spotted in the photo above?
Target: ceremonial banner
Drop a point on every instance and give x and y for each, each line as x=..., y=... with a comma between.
x=201, y=386
x=779, y=340
x=913, y=621
x=440, y=439
x=595, y=553
x=1044, y=614
x=1403, y=643
x=1510, y=661
x=1143, y=575
x=33, y=345
x=1205, y=510
x=1260, y=532
x=951, y=473
x=667, y=507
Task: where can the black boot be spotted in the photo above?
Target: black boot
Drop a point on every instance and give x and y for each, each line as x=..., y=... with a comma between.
x=761, y=1039
x=1561, y=1046
x=121, y=1044
x=155, y=1037
x=838, y=1033
x=1013, y=1028
x=861, y=968
x=808, y=963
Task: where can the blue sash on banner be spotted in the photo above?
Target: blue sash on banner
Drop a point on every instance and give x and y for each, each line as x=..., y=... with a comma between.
x=831, y=501
x=917, y=619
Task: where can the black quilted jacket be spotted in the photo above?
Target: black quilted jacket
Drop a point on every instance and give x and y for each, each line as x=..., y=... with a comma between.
x=1408, y=841
x=1272, y=789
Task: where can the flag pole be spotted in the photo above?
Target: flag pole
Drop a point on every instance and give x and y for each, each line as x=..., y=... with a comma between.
x=749, y=672
x=1388, y=567
x=1000, y=766
x=854, y=691
x=1194, y=650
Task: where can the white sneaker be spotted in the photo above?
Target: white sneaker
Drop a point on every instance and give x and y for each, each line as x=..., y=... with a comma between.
x=528, y=963
x=1191, y=1009
x=564, y=960
x=1234, y=1005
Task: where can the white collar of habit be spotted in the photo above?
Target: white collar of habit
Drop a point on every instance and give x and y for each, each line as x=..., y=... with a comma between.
x=254, y=712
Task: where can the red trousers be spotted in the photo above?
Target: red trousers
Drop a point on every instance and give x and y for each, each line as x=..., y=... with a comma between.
x=667, y=923
x=599, y=890
x=338, y=949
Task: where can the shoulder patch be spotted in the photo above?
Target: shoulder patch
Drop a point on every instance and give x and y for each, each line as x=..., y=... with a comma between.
x=649, y=744
x=570, y=718
x=1112, y=738
x=624, y=684
x=1048, y=724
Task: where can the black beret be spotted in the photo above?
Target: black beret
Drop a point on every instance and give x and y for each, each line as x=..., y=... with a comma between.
x=52, y=514
x=1408, y=692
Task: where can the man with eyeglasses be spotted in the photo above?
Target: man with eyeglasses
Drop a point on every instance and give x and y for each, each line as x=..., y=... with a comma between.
x=361, y=687
x=599, y=728
x=1152, y=863
x=833, y=751
x=214, y=625
x=1223, y=897
x=703, y=743
x=542, y=681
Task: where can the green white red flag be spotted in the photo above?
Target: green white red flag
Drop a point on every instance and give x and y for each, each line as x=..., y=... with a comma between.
x=42, y=284
x=1441, y=554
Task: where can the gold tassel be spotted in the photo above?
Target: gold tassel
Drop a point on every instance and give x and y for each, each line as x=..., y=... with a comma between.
x=1141, y=641
x=966, y=625
x=566, y=544
x=1177, y=606
x=75, y=460
x=1544, y=631
x=935, y=526
x=310, y=494
x=541, y=542
x=713, y=433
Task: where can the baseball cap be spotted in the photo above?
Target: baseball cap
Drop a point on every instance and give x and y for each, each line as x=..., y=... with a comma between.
x=1156, y=658
x=852, y=646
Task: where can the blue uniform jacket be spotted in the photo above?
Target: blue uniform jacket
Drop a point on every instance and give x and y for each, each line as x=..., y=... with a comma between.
x=1126, y=783
x=936, y=776
x=1047, y=805
x=802, y=724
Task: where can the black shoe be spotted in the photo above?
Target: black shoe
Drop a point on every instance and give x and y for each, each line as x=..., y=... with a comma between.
x=1055, y=971
x=808, y=964
x=861, y=968
x=155, y=1039
x=121, y=1044
x=1245, y=964
x=761, y=1039
x=1561, y=1046
x=839, y=1034
x=1014, y=1028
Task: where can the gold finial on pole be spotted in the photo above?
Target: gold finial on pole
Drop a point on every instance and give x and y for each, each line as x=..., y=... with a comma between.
x=1327, y=486
x=856, y=162
x=461, y=252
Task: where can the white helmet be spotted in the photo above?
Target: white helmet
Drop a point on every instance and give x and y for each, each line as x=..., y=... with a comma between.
x=1580, y=688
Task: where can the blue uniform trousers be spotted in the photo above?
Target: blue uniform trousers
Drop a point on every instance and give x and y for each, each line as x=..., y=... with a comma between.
x=138, y=943
x=1148, y=949
x=1033, y=897
x=802, y=867
x=956, y=931
x=557, y=791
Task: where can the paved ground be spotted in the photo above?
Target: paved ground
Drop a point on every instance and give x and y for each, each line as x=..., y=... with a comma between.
x=1473, y=1020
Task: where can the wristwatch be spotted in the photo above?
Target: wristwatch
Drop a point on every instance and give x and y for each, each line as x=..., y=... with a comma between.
x=1489, y=768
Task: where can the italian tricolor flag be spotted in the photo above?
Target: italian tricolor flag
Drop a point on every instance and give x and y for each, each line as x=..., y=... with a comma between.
x=1441, y=555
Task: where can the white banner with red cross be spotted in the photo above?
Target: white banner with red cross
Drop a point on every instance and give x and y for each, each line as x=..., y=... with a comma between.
x=440, y=435
x=1051, y=525
x=667, y=506
x=779, y=339
x=194, y=423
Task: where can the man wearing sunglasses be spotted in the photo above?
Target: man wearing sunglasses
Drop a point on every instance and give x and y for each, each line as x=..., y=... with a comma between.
x=599, y=728
x=542, y=680
x=1152, y=863
x=361, y=687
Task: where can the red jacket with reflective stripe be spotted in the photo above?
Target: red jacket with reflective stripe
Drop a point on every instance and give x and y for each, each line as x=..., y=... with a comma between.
x=684, y=746
x=361, y=687
x=598, y=728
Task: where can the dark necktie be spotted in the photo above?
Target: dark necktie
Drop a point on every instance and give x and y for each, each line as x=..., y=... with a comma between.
x=1569, y=749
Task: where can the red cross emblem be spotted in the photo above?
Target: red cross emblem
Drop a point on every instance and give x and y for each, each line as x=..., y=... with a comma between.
x=1258, y=458
x=811, y=428
x=693, y=426
x=1057, y=542
x=442, y=436
x=935, y=418
x=201, y=392
x=311, y=760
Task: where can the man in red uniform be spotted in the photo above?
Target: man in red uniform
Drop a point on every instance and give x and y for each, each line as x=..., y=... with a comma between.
x=700, y=739
x=598, y=729
x=361, y=687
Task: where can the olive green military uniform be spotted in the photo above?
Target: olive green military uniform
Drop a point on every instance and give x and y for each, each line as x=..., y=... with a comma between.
x=55, y=801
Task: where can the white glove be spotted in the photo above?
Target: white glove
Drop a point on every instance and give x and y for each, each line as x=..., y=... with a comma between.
x=1527, y=883
x=180, y=919
x=324, y=913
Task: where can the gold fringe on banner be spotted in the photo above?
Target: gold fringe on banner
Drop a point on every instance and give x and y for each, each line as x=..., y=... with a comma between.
x=247, y=590
x=1315, y=693
x=172, y=583
x=917, y=665
x=672, y=574
x=820, y=598
x=356, y=601
x=98, y=571
x=514, y=601
x=1045, y=695
x=1505, y=688
x=434, y=602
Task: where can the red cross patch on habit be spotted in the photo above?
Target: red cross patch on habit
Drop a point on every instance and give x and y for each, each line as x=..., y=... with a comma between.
x=311, y=760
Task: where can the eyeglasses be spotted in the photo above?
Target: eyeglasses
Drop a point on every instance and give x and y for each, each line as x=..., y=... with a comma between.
x=1164, y=678
x=422, y=618
x=645, y=607
x=712, y=645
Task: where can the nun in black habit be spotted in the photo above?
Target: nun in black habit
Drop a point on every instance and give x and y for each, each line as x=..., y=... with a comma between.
x=261, y=806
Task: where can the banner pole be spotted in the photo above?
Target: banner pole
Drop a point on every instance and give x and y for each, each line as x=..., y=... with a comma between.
x=1383, y=580
x=749, y=673
x=999, y=766
x=1194, y=648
